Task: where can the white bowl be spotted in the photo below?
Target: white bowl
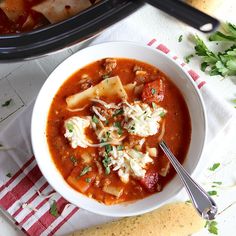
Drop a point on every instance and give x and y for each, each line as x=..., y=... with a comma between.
x=123, y=50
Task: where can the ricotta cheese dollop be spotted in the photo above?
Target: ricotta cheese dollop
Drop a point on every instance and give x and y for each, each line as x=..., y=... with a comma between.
x=75, y=131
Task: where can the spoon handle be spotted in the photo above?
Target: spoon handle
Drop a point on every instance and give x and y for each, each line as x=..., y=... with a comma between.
x=203, y=203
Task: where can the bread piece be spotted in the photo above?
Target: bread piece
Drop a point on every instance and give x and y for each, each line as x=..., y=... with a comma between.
x=175, y=219
x=207, y=6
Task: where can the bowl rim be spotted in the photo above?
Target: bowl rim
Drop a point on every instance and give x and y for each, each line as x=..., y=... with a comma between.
x=196, y=169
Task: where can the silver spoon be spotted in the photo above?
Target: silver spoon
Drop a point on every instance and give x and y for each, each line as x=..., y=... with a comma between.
x=203, y=203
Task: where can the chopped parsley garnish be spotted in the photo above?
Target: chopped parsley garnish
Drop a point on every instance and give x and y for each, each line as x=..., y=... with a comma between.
x=106, y=161
x=153, y=91
x=188, y=201
x=180, y=38
x=162, y=114
x=212, y=193
x=216, y=183
x=7, y=103
x=70, y=127
x=74, y=160
x=117, y=124
x=9, y=175
x=154, y=105
x=88, y=180
x=187, y=58
x=85, y=171
x=108, y=148
x=120, y=148
x=118, y=112
x=212, y=227
x=214, y=166
x=106, y=122
x=95, y=119
x=53, y=209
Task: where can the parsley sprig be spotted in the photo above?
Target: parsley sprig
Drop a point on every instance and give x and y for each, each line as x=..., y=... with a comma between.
x=53, y=209
x=218, y=63
x=212, y=227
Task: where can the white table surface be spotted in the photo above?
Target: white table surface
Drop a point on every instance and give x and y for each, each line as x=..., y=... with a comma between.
x=21, y=81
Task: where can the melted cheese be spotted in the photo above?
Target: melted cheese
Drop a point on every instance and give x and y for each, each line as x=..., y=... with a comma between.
x=142, y=120
x=75, y=131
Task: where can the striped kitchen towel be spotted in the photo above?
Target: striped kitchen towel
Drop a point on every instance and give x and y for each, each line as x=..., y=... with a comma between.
x=25, y=194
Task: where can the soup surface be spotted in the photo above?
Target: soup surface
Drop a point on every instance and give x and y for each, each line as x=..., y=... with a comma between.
x=24, y=15
x=104, y=126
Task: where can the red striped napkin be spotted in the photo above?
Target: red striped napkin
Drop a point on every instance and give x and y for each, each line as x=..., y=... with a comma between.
x=24, y=192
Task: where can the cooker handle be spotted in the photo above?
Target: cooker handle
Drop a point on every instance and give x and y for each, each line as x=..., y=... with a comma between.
x=187, y=14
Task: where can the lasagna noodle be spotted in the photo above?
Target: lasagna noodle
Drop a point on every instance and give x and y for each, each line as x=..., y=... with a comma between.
x=12, y=8
x=174, y=219
x=111, y=87
x=58, y=10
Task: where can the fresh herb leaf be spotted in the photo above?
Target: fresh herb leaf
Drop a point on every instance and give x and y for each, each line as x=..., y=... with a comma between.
x=217, y=182
x=95, y=119
x=118, y=112
x=153, y=91
x=206, y=224
x=188, y=201
x=74, y=160
x=212, y=193
x=212, y=227
x=234, y=101
x=187, y=58
x=85, y=171
x=70, y=127
x=117, y=124
x=180, y=38
x=88, y=180
x=106, y=122
x=106, y=161
x=53, y=209
x=9, y=175
x=162, y=114
x=154, y=105
x=7, y=103
x=219, y=36
x=120, y=148
x=107, y=170
x=204, y=65
x=108, y=148
x=228, y=34
x=219, y=63
x=214, y=166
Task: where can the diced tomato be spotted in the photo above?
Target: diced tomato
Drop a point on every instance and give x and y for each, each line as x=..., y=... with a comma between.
x=153, y=91
x=150, y=181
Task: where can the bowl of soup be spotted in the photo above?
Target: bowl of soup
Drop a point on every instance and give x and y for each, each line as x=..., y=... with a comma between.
x=97, y=122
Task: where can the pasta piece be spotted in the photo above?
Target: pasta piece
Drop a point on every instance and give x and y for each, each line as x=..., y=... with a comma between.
x=130, y=87
x=13, y=9
x=111, y=87
x=115, y=191
x=58, y=10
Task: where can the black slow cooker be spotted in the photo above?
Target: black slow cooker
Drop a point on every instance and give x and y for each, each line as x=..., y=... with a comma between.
x=89, y=22
x=75, y=29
